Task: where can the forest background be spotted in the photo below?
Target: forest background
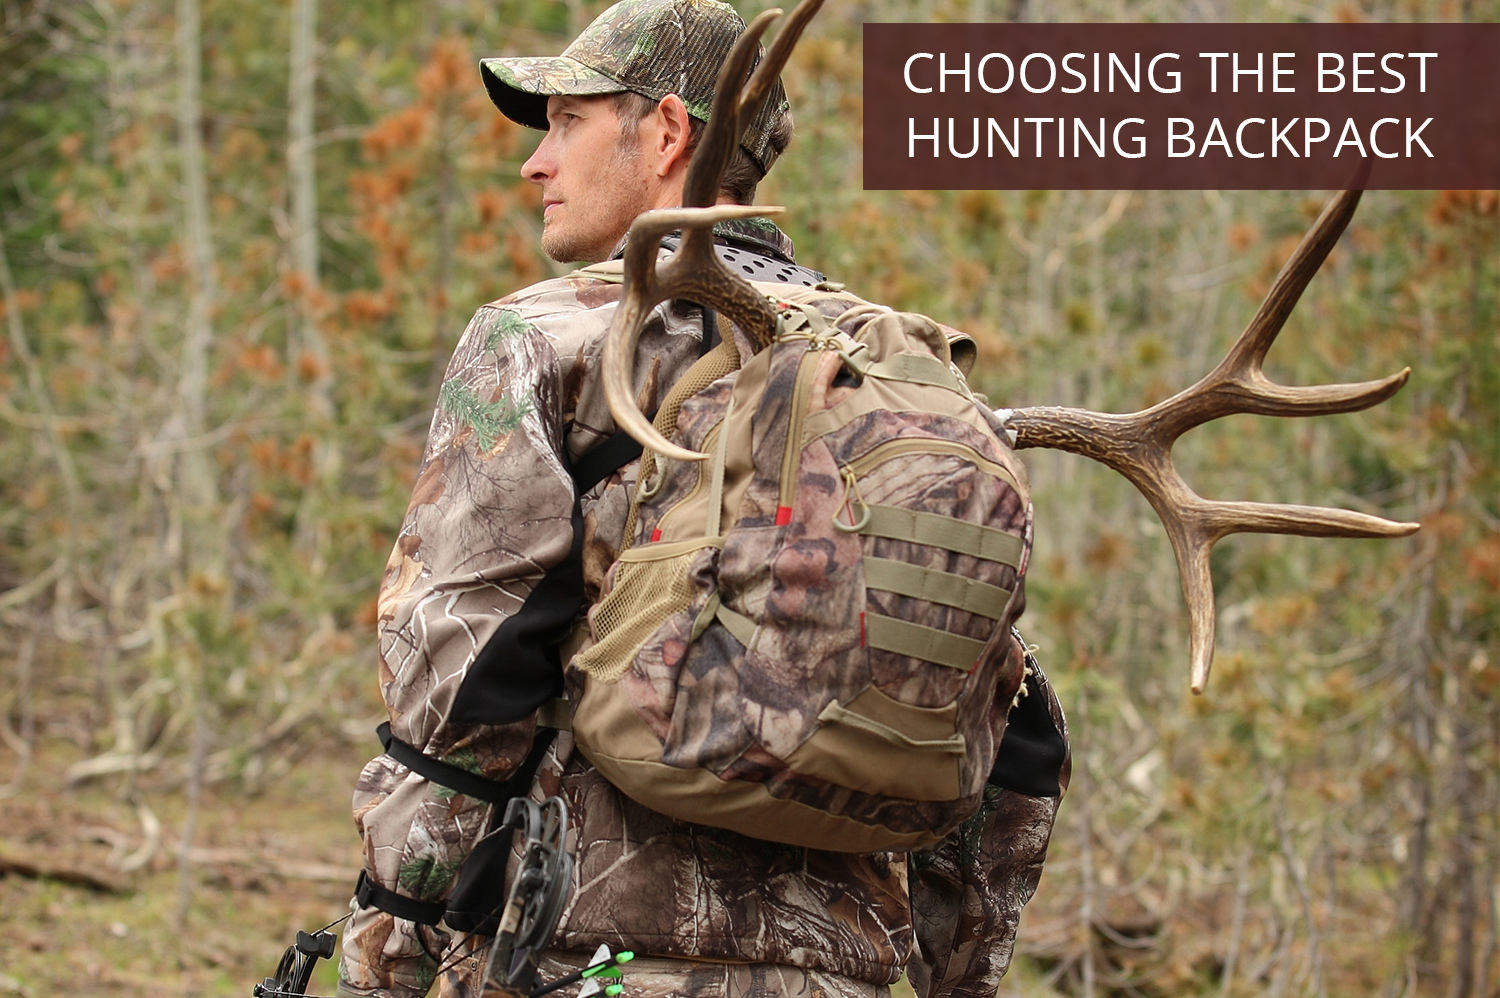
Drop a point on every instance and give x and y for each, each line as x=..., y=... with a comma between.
x=237, y=243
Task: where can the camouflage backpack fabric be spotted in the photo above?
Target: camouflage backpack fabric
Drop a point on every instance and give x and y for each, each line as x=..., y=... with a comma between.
x=808, y=636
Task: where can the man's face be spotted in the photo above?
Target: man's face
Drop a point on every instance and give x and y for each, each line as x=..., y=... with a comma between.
x=592, y=179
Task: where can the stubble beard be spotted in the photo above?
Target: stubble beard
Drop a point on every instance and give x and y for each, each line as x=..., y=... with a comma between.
x=601, y=213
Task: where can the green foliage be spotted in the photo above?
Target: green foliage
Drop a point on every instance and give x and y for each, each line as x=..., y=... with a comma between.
x=508, y=325
x=464, y=759
x=489, y=420
x=425, y=877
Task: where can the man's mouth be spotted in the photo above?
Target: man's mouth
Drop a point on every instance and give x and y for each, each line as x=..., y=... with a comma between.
x=547, y=205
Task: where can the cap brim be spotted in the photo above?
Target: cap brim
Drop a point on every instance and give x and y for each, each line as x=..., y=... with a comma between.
x=520, y=86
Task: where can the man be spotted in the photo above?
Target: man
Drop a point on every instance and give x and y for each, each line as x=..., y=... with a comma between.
x=476, y=595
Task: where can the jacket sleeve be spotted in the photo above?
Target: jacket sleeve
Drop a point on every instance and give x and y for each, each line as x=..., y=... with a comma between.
x=968, y=891
x=491, y=511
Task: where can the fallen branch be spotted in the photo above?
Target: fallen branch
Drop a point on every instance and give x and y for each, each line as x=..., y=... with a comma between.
x=270, y=864
x=66, y=873
x=111, y=762
x=151, y=839
x=256, y=862
x=27, y=590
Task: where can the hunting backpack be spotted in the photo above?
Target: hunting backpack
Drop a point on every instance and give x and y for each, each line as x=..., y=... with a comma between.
x=807, y=636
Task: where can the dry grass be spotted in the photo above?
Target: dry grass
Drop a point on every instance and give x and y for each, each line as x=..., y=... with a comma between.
x=60, y=938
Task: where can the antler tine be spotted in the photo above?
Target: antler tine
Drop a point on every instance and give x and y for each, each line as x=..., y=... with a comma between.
x=1221, y=518
x=735, y=107
x=1207, y=521
x=771, y=66
x=683, y=275
x=1198, y=590
x=1239, y=383
x=726, y=123
x=1139, y=445
x=1293, y=279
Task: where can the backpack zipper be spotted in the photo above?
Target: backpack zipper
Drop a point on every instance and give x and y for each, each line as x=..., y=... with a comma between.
x=791, y=456
x=709, y=440
x=863, y=464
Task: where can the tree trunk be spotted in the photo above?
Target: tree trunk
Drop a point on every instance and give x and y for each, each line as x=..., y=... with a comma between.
x=203, y=553
x=442, y=267
x=1079, y=788
x=302, y=176
x=204, y=548
x=1465, y=837
x=301, y=160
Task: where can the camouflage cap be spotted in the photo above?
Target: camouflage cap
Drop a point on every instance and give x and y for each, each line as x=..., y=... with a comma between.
x=649, y=47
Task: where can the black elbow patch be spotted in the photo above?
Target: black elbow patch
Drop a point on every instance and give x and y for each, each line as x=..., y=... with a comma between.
x=1033, y=751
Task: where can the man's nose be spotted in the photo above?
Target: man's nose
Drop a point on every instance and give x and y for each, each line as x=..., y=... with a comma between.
x=540, y=166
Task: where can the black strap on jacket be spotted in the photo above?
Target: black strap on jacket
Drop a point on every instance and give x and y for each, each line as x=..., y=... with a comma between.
x=369, y=894
x=474, y=903
x=476, y=883
x=446, y=774
x=604, y=460
x=710, y=337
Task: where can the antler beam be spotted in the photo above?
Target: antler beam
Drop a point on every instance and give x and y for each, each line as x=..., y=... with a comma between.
x=694, y=272
x=1139, y=445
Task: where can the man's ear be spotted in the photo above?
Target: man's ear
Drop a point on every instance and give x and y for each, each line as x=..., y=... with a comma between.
x=674, y=135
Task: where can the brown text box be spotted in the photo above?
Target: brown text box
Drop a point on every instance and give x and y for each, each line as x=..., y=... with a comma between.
x=1440, y=128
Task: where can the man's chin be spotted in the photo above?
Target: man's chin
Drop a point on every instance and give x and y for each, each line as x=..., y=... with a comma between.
x=560, y=247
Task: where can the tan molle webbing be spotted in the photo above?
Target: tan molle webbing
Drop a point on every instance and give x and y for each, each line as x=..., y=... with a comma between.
x=934, y=586
x=936, y=530
x=926, y=643
x=918, y=369
x=721, y=360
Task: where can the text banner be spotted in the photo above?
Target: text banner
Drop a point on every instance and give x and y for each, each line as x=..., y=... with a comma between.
x=1181, y=106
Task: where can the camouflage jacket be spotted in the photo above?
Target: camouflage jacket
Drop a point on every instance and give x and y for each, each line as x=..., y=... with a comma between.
x=490, y=513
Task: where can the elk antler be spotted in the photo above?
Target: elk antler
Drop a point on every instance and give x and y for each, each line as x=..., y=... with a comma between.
x=1139, y=445
x=694, y=272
